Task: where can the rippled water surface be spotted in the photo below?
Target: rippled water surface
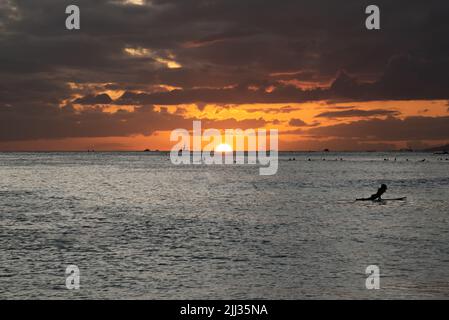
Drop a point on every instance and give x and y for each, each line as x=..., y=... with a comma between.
x=139, y=227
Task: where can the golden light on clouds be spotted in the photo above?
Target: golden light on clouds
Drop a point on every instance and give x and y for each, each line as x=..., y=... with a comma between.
x=165, y=87
x=138, y=52
x=292, y=120
x=135, y=2
x=171, y=64
x=168, y=61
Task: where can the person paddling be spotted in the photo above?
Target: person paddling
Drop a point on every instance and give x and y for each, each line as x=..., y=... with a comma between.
x=377, y=196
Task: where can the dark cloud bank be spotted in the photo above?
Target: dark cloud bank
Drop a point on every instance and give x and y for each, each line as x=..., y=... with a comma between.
x=231, y=52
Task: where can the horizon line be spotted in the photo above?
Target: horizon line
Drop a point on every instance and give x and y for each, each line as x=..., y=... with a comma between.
x=168, y=151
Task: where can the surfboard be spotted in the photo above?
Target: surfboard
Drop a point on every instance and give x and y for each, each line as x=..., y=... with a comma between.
x=393, y=199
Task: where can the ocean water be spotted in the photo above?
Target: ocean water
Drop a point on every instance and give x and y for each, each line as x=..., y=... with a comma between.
x=139, y=227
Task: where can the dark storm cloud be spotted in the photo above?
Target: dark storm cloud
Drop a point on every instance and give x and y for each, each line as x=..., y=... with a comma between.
x=232, y=123
x=352, y=113
x=343, y=107
x=284, y=109
x=224, y=48
x=66, y=122
x=94, y=99
x=297, y=123
x=390, y=129
x=237, y=95
x=52, y=123
x=240, y=40
x=405, y=78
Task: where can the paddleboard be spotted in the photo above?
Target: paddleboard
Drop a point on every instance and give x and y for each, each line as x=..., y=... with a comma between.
x=393, y=199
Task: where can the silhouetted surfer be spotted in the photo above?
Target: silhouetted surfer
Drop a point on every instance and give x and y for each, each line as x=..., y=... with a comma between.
x=377, y=196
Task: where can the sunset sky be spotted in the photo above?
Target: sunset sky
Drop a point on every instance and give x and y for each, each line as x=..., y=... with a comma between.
x=138, y=69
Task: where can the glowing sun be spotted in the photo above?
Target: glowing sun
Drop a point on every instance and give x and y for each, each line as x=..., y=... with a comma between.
x=224, y=147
